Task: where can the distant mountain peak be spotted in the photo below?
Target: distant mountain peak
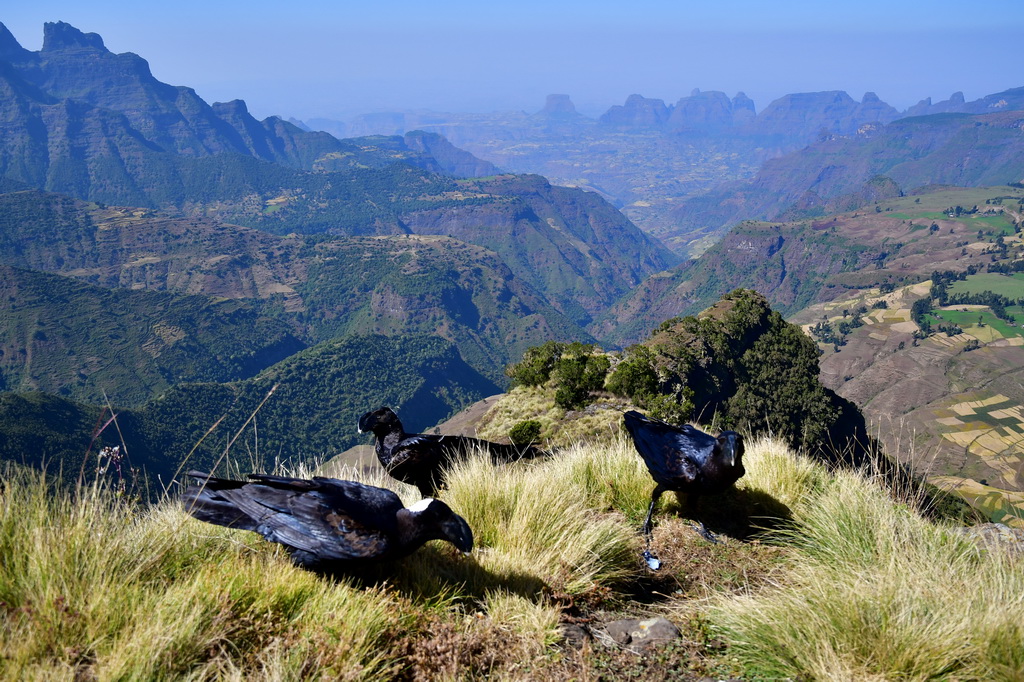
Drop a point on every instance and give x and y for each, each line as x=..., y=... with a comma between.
x=559, y=104
x=61, y=36
x=235, y=107
x=10, y=49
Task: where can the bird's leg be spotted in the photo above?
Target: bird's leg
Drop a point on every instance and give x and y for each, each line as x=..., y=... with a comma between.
x=648, y=526
x=691, y=511
x=649, y=557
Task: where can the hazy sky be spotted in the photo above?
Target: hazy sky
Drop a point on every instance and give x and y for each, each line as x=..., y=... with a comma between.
x=334, y=58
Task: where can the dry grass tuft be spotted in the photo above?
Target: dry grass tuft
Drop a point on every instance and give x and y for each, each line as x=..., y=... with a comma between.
x=93, y=585
x=534, y=520
x=819, y=575
x=874, y=591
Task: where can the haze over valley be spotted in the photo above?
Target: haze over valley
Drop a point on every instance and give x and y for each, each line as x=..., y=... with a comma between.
x=424, y=226
x=230, y=233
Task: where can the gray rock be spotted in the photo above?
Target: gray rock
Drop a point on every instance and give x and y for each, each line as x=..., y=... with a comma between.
x=621, y=631
x=988, y=535
x=642, y=634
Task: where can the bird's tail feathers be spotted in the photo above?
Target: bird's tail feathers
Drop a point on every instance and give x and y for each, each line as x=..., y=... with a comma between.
x=207, y=503
x=513, y=453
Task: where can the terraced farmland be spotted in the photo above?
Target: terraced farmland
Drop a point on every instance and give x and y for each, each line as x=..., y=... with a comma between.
x=950, y=406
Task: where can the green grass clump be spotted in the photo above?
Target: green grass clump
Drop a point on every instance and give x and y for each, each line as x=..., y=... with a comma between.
x=818, y=575
x=874, y=591
x=93, y=585
x=537, y=520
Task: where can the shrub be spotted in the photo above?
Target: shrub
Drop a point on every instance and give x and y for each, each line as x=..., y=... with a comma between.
x=525, y=432
x=635, y=377
x=574, y=368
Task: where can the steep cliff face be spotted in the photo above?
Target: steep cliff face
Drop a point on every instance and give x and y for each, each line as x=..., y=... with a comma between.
x=702, y=111
x=1007, y=100
x=638, y=112
x=450, y=159
x=570, y=244
x=77, y=66
x=791, y=120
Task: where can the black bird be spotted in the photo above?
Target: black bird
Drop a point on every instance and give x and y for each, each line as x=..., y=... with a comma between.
x=686, y=460
x=420, y=459
x=325, y=522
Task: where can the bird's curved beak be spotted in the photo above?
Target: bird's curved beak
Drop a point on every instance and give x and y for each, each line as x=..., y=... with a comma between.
x=731, y=449
x=458, y=532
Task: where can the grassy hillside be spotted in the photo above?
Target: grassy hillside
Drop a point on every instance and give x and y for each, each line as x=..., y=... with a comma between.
x=950, y=402
x=819, y=575
x=299, y=410
x=895, y=241
x=62, y=336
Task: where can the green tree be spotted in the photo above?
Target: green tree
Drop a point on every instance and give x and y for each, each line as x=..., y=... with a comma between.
x=537, y=364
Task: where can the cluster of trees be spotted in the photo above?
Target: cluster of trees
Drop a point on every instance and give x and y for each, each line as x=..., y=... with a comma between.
x=825, y=332
x=959, y=210
x=1007, y=267
x=737, y=365
x=576, y=369
x=941, y=295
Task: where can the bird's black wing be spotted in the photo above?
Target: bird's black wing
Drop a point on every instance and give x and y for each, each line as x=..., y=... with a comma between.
x=320, y=520
x=420, y=450
x=672, y=454
x=207, y=502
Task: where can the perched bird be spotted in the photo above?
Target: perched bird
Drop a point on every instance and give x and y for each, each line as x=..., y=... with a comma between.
x=325, y=522
x=686, y=460
x=420, y=459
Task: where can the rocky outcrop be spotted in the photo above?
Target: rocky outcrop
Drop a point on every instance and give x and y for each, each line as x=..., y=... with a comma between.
x=955, y=104
x=833, y=112
x=637, y=112
x=559, y=105
x=76, y=66
x=701, y=111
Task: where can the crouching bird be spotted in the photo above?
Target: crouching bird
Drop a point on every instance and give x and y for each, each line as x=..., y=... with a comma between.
x=420, y=459
x=325, y=522
x=686, y=460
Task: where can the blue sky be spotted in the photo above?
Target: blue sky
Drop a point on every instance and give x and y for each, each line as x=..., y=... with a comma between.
x=335, y=59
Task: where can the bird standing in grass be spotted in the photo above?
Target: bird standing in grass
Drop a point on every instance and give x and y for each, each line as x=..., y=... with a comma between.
x=325, y=522
x=420, y=459
x=686, y=460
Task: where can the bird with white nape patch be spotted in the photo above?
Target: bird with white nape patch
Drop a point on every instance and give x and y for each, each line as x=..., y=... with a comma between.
x=326, y=522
